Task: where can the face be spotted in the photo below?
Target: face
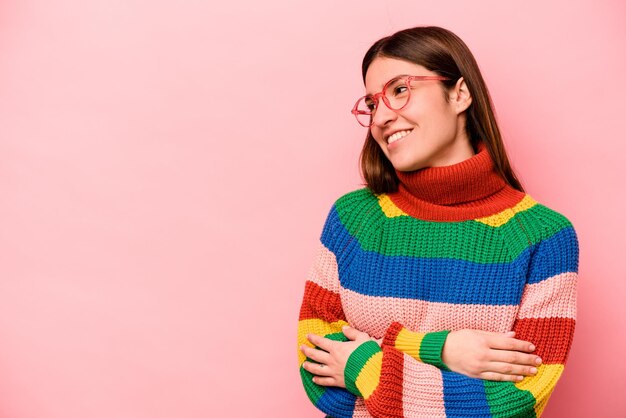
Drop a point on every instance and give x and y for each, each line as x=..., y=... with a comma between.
x=430, y=130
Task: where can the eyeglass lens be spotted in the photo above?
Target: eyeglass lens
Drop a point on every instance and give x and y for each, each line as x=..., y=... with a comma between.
x=396, y=95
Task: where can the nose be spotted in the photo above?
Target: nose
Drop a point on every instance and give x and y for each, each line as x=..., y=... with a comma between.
x=383, y=115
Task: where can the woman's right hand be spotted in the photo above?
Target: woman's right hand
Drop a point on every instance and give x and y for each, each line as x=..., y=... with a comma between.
x=489, y=355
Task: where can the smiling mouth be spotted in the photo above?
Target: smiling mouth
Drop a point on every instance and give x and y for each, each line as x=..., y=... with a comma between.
x=398, y=135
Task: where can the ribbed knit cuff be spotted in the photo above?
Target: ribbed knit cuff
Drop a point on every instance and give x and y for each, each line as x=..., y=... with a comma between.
x=355, y=367
x=431, y=348
x=422, y=346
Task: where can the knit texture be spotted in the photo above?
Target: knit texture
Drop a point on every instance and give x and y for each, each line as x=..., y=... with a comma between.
x=455, y=248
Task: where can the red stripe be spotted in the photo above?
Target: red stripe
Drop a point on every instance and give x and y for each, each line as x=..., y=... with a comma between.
x=392, y=333
x=320, y=303
x=552, y=337
x=386, y=401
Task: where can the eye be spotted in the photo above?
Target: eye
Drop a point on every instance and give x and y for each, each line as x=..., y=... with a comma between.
x=399, y=89
x=370, y=104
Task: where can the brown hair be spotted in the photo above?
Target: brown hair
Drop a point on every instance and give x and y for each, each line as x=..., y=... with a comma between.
x=444, y=53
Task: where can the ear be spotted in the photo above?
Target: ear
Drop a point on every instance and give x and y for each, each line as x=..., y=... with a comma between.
x=460, y=97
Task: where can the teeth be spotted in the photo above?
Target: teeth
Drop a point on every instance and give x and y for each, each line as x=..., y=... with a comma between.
x=397, y=135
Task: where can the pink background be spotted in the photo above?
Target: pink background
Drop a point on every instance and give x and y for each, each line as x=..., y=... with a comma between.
x=166, y=167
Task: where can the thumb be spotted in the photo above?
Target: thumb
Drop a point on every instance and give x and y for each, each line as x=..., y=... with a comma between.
x=350, y=332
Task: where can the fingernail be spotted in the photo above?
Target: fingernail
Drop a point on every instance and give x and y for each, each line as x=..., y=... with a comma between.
x=345, y=327
x=532, y=347
x=538, y=361
x=533, y=370
x=520, y=377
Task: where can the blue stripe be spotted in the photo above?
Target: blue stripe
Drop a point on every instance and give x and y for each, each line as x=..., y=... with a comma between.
x=464, y=396
x=555, y=255
x=431, y=279
x=447, y=280
x=335, y=236
x=435, y=279
x=337, y=402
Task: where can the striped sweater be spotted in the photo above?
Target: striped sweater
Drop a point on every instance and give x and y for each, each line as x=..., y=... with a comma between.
x=454, y=248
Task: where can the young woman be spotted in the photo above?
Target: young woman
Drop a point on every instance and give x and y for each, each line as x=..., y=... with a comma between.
x=442, y=288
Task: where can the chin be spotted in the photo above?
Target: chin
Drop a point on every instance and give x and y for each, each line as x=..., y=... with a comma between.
x=407, y=165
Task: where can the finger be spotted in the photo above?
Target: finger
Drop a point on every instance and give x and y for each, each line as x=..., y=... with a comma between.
x=349, y=332
x=514, y=357
x=320, y=356
x=324, y=381
x=321, y=342
x=511, y=344
x=353, y=333
x=317, y=369
x=498, y=377
x=514, y=369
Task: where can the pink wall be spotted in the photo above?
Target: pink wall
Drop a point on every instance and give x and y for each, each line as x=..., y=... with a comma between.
x=165, y=169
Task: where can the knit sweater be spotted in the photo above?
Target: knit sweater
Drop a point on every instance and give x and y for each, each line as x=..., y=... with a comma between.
x=454, y=248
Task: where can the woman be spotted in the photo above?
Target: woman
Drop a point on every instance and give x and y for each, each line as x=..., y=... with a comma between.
x=442, y=288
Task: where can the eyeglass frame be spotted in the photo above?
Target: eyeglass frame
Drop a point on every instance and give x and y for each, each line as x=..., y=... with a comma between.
x=376, y=97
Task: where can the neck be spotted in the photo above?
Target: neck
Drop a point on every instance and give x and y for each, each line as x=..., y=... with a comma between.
x=466, y=190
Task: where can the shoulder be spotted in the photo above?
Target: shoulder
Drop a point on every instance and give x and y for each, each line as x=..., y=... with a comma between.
x=555, y=248
x=553, y=232
x=551, y=218
x=352, y=210
x=358, y=206
x=542, y=222
x=355, y=199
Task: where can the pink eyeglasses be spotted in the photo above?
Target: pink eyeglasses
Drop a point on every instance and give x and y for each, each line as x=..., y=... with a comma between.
x=396, y=94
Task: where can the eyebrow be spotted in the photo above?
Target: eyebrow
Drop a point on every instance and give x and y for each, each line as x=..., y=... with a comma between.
x=392, y=78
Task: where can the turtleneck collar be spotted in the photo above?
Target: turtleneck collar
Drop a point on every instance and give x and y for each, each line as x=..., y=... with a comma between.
x=466, y=190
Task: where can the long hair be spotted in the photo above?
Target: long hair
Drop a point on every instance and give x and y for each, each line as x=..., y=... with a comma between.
x=444, y=53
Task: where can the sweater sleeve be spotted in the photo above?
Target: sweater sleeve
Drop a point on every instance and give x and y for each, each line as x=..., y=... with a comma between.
x=321, y=313
x=395, y=383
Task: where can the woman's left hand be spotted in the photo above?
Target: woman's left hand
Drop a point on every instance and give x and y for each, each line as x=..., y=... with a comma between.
x=332, y=356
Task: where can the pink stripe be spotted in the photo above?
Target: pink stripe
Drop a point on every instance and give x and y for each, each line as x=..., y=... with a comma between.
x=360, y=410
x=422, y=394
x=374, y=314
x=324, y=269
x=553, y=297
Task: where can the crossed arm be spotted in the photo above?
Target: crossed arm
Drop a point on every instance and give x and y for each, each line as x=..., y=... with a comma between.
x=442, y=373
x=473, y=353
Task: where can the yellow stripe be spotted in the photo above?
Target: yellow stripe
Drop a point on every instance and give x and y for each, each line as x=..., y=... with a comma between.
x=388, y=207
x=370, y=375
x=392, y=211
x=409, y=342
x=542, y=384
x=315, y=326
x=503, y=217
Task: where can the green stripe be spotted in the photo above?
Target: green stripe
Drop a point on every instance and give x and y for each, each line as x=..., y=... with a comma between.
x=313, y=391
x=506, y=400
x=363, y=218
x=337, y=336
x=356, y=362
x=431, y=347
